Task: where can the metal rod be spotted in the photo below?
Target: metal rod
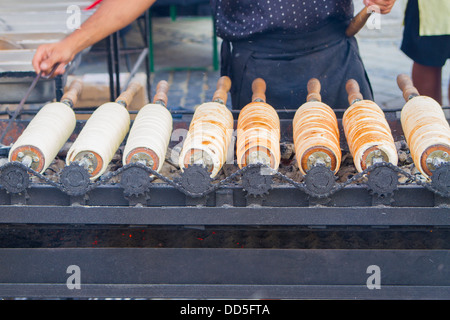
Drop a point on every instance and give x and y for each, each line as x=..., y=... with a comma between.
x=136, y=66
x=148, y=67
x=116, y=61
x=150, y=42
x=110, y=68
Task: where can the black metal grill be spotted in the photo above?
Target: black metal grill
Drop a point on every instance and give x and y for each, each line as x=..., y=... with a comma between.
x=244, y=200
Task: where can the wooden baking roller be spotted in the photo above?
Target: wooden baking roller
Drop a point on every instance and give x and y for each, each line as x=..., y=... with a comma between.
x=150, y=133
x=425, y=127
x=126, y=97
x=367, y=131
x=316, y=132
x=258, y=131
x=47, y=132
x=210, y=132
x=103, y=133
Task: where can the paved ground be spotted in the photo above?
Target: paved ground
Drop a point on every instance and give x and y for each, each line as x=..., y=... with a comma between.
x=187, y=42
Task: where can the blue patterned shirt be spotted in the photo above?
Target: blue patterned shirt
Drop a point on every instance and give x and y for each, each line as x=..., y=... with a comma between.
x=241, y=19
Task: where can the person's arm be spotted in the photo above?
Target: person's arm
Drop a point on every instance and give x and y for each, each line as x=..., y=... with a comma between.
x=111, y=16
x=384, y=5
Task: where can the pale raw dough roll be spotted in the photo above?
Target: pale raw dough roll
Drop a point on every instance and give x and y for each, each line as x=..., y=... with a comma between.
x=103, y=133
x=316, y=131
x=210, y=131
x=366, y=129
x=258, y=130
x=47, y=132
x=151, y=130
x=424, y=126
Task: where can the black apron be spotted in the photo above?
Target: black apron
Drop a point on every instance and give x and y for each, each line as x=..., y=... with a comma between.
x=287, y=62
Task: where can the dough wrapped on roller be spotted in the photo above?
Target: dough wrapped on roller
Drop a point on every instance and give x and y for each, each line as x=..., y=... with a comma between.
x=100, y=137
x=47, y=132
x=367, y=131
x=316, y=133
x=425, y=127
x=102, y=134
x=258, y=131
x=210, y=132
x=45, y=135
x=149, y=136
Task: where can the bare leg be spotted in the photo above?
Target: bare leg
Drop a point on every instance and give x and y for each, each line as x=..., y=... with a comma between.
x=428, y=81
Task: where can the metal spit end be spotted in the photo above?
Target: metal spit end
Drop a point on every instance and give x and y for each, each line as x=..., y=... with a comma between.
x=375, y=156
x=259, y=157
x=436, y=159
x=200, y=157
x=142, y=158
x=318, y=158
x=88, y=160
x=29, y=157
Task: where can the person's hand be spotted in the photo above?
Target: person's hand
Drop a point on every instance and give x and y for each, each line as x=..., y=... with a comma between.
x=47, y=56
x=385, y=6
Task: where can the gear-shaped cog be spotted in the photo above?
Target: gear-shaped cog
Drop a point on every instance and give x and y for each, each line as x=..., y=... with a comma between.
x=14, y=177
x=195, y=179
x=75, y=179
x=256, y=182
x=135, y=181
x=440, y=179
x=320, y=180
x=382, y=181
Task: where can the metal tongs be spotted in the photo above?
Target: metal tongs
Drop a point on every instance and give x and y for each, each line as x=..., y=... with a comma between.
x=4, y=150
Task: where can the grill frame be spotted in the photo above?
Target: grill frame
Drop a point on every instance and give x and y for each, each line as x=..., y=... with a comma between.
x=283, y=207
